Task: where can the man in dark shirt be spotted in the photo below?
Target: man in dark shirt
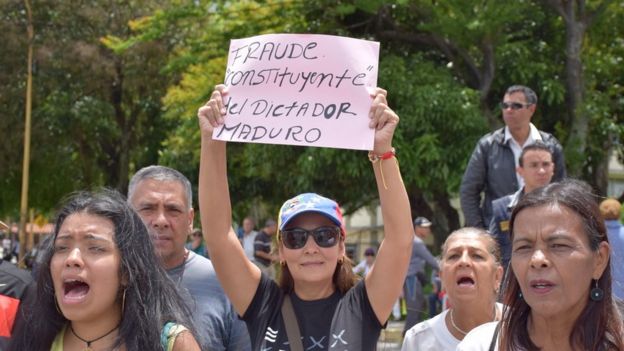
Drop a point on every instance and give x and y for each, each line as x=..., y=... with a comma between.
x=491, y=169
x=262, y=248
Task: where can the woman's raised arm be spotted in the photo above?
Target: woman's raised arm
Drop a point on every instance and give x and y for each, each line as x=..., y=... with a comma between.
x=385, y=280
x=238, y=276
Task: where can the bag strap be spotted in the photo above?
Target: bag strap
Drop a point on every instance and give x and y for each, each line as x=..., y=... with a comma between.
x=495, y=336
x=292, y=327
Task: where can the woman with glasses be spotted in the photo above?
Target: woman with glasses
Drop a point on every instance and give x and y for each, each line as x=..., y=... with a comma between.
x=318, y=303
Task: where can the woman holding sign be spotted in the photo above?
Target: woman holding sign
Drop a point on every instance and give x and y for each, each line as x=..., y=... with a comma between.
x=318, y=304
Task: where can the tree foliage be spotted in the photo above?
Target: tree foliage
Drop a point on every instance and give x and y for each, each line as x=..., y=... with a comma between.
x=117, y=86
x=96, y=114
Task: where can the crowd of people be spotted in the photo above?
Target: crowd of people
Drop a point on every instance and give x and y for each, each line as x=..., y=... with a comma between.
x=538, y=266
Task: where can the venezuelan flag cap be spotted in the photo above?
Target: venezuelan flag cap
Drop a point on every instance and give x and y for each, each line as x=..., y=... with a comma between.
x=310, y=202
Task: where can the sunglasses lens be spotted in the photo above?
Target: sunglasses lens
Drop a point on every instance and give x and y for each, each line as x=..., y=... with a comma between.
x=326, y=236
x=512, y=105
x=294, y=238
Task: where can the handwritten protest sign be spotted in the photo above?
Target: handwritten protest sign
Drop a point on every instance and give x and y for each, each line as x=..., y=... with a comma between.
x=296, y=89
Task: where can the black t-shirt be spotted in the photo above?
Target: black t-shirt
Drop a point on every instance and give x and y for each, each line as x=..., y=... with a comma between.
x=345, y=323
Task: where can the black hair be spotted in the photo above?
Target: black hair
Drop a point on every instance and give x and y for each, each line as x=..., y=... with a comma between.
x=151, y=298
x=538, y=145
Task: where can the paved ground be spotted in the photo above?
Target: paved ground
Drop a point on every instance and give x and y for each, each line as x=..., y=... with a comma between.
x=390, y=338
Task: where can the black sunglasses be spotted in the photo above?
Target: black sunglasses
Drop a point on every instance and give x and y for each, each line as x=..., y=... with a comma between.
x=513, y=105
x=296, y=238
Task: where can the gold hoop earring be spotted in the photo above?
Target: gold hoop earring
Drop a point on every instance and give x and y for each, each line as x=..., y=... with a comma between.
x=340, y=260
x=283, y=263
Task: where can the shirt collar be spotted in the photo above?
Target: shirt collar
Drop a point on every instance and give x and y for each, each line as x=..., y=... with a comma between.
x=534, y=135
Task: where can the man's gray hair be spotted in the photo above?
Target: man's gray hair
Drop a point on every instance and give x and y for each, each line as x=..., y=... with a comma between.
x=161, y=173
x=529, y=94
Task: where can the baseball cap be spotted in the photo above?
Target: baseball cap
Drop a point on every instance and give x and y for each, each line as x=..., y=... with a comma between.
x=369, y=252
x=422, y=222
x=310, y=202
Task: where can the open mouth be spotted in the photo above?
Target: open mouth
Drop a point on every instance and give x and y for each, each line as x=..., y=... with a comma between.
x=542, y=285
x=465, y=281
x=75, y=289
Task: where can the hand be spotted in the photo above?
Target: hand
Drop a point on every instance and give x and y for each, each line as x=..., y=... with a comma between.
x=383, y=120
x=212, y=114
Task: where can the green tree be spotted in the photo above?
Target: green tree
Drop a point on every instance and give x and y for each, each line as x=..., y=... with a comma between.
x=97, y=114
x=434, y=107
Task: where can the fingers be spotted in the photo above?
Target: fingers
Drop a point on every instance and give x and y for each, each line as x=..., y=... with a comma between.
x=214, y=110
x=380, y=113
x=379, y=91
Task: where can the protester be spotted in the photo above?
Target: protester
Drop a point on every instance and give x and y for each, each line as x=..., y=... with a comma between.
x=263, y=257
x=611, y=211
x=13, y=291
x=330, y=308
x=248, y=237
x=558, y=291
x=162, y=196
x=492, y=166
x=100, y=287
x=197, y=243
x=416, y=279
x=536, y=168
x=471, y=274
x=366, y=264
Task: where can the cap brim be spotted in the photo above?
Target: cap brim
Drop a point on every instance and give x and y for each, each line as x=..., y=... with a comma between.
x=309, y=210
x=3, y=226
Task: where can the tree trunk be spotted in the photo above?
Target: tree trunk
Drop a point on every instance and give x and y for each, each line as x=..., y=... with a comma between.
x=575, y=85
x=446, y=218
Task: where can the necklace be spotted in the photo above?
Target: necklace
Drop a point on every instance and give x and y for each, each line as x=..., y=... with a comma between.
x=89, y=342
x=460, y=330
x=455, y=325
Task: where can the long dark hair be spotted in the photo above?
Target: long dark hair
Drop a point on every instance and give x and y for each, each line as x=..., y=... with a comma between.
x=598, y=327
x=151, y=298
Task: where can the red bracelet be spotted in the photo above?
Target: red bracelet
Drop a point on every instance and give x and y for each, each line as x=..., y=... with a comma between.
x=373, y=157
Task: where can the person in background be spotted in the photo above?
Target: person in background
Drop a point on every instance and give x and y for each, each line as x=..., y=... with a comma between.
x=317, y=294
x=14, y=283
x=558, y=285
x=366, y=264
x=435, y=297
x=491, y=169
x=197, y=243
x=415, y=279
x=536, y=168
x=248, y=237
x=100, y=286
x=263, y=257
x=611, y=210
x=163, y=197
x=471, y=274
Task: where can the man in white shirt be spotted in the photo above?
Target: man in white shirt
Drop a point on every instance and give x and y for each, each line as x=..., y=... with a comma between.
x=248, y=238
